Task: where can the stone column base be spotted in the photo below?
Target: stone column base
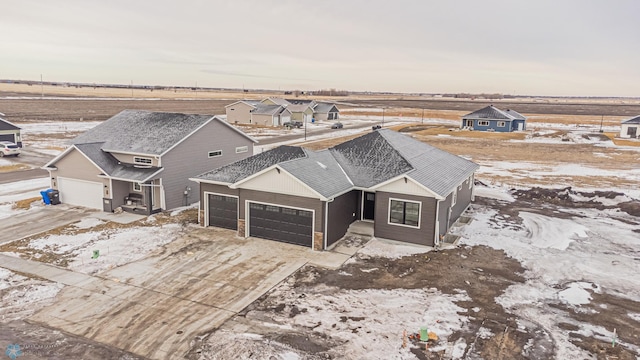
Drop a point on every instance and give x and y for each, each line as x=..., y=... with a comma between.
x=241, y=231
x=318, y=241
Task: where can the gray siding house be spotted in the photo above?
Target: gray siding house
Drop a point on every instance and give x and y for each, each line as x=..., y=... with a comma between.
x=491, y=118
x=141, y=161
x=409, y=190
x=10, y=132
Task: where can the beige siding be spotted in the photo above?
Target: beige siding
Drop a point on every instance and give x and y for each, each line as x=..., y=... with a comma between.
x=74, y=165
x=260, y=119
x=409, y=187
x=268, y=102
x=320, y=116
x=239, y=113
x=190, y=159
x=624, y=130
x=423, y=235
x=128, y=158
x=280, y=182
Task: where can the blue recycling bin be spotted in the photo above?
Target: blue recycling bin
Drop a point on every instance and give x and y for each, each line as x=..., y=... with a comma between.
x=45, y=196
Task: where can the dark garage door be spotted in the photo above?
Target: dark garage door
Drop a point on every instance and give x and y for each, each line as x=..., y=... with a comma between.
x=7, y=137
x=281, y=223
x=223, y=211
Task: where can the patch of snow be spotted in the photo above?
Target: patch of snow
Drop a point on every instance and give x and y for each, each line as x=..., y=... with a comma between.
x=22, y=296
x=20, y=190
x=498, y=193
x=484, y=333
x=634, y=316
x=56, y=127
x=392, y=250
x=289, y=355
x=576, y=294
x=457, y=352
x=548, y=232
x=178, y=211
x=5, y=162
x=88, y=223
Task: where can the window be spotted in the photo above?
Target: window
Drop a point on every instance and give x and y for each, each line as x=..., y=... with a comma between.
x=137, y=187
x=272, y=208
x=501, y=124
x=215, y=153
x=483, y=123
x=142, y=160
x=404, y=213
x=454, y=198
x=289, y=211
x=242, y=149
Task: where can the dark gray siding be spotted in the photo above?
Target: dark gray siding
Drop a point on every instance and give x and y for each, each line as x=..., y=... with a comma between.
x=443, y=215
x=424, y=235
x=190, y=159
x=342, y=212
x=463, y=200
x=119, y=190
x=218, y=189
x=284, y=200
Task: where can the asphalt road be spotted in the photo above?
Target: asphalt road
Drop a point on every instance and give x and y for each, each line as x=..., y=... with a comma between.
x=22, y=175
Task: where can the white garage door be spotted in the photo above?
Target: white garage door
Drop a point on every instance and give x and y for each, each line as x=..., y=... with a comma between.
x=80, y=193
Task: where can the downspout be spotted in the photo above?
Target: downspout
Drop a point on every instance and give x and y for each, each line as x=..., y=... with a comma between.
x=436, y=241
x=326, y=221
x=149, y=198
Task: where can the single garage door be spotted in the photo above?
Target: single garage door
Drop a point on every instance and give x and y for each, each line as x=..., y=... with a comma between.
x=281, y=223
x=8, y=137
x=223, y=211
x=80, y=193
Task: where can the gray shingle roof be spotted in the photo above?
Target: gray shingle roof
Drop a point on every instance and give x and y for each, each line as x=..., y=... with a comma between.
x=262, y=109
x=516, y=115
x=364, y=162
x=244, y=168
x=370, y=159
x=6, y=125
x=635, y=120
x=320, y=171
x=435, y=169
x=277, y=100
x=143, y=132
x=322, y=107
x=489, y=112
x=112, y=166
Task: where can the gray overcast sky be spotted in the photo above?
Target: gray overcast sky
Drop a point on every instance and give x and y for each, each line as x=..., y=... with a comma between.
x=542, y=47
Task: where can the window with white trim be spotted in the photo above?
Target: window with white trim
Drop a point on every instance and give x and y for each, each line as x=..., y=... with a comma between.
x=502, y=123
x=483, y=123
x=242, y=149
x=142, y=160
x=137, y=187
x=214, y=153
x=454, y=197
x=402, y=212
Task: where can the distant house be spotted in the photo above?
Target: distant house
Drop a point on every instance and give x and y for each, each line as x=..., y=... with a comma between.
x=491, y=118
x=407, y=190
x=630, y=129
x=10, y=132
x=239, y=112
x=245, y=111
x=141, y=161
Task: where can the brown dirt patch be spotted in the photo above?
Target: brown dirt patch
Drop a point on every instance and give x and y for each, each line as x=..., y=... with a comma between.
x=25, y=204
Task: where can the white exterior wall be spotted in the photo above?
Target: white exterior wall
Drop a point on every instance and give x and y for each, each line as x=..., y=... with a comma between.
x=624, y=130
x=281, y=183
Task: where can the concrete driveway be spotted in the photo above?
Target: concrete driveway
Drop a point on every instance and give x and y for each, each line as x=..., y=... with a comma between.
x=38, y=220
x=155, y=307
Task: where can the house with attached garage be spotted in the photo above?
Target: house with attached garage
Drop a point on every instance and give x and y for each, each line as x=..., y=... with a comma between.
x=630, y=129
x=141, y=161
x=408, y=190
x=491, y=118
x=239, y=112
x=270, y=115
x=274, y=111
x=10, y=132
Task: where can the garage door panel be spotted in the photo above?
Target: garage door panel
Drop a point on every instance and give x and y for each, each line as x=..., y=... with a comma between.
x=281, y=224
x=223, y=211
x=80, y=193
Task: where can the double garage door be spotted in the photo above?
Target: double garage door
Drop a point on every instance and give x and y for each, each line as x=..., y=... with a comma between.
x=271, y=222
x=80, y=192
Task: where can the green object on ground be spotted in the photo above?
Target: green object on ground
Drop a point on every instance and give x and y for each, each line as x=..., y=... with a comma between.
x=95, y=255
x=424, y=333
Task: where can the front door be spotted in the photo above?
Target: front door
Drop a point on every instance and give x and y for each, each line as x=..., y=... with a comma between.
x=632, y=131
x=368, y=206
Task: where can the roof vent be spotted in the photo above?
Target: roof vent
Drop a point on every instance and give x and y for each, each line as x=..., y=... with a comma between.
x=322, y=165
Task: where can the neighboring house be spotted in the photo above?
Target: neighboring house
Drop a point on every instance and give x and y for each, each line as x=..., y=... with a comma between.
x=10, y=132
x=409, y=190
x=245, y=111
x=141, y=161
x=326, y=111
x=630, y=129
x=491, y=118
x=239, y=112
x=270, y=115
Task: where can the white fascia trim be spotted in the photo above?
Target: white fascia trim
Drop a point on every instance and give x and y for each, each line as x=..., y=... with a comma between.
x=85, y=156
x=241, y=101
x=153, y=156
x=409, y=178
x=60, y=156
x=213, y=182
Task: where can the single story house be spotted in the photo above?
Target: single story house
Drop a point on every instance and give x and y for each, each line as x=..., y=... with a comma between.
x=244, y=111
x=141, y=161
x=10, y=132
x=239, y=112
x=408, y=190
x=491, y=118
x=270, y=115
x=630, y=129
x=325, y=111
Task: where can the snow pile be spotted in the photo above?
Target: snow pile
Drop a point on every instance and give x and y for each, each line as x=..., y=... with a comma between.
x=88, y=223
x=497, y=193
x=576, y=293
x=178, y=211
x=392, y=250
x=547, y=232
x=21, y=296
x=25, y=189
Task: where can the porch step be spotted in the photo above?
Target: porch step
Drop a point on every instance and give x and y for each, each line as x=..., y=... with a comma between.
x=361, y=228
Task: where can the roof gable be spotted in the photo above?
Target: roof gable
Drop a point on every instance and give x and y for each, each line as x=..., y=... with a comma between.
x=6, y=125
x=634, y=120
x=325, y=108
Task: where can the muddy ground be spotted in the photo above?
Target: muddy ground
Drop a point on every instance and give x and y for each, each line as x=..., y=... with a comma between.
x=482, y=272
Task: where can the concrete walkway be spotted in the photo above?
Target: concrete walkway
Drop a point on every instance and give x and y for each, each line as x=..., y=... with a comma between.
x=156, y=306
x=39, y=220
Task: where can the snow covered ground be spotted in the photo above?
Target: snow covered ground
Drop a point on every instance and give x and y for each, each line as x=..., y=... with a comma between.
x=16, y=191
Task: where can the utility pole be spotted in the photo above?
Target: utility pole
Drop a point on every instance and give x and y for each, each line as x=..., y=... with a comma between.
x=422, y=121
x=382, y=117
x=304, y=118
x=41, y=88
x=601, y=120
x=131, y=86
